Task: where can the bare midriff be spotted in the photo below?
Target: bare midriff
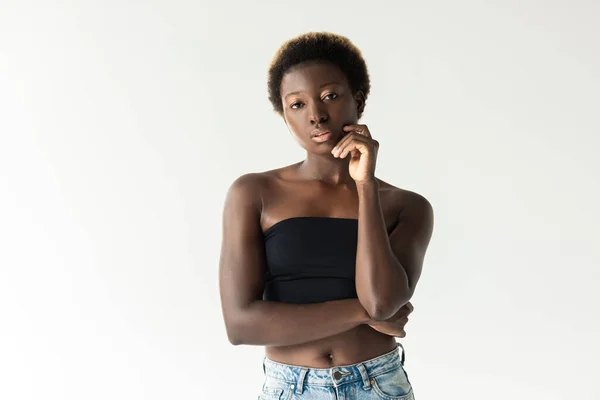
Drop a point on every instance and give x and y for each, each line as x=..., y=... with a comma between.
x=353, y=346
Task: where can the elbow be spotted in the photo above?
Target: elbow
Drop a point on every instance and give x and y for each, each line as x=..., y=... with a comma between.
x=233, y=335
x=381, y=308
x=235, y=331
x=240, y=327
x=234, y=338
x=380, y=312
x=376, y=307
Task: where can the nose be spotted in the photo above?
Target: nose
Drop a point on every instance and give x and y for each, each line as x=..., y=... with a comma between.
x=318, y=115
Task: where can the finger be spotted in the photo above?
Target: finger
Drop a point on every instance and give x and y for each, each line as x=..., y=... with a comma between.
x=360, y=128
x=400, y=320
x=357, y=143
x=344, y=141
x=354, y=145
x=341, y=143
x=355, y=154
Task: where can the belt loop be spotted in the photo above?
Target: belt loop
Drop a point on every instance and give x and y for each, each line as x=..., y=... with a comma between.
x=403, y=353
x=301, y=377
x=365, y=376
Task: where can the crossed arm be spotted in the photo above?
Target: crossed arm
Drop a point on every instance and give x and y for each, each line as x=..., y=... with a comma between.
x=249, y=319
x=388, y=267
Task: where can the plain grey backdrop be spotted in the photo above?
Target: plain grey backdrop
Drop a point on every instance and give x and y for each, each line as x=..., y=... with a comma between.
x=123, y=123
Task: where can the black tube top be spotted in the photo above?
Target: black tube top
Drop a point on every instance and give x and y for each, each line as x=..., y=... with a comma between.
x=311, y=260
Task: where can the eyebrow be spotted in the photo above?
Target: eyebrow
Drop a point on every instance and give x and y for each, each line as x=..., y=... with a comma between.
x=322, y=86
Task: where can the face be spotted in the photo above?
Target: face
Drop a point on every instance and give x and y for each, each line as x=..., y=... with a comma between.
x=317, y=96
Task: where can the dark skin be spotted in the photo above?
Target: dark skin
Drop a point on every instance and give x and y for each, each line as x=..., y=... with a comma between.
x=394, y=230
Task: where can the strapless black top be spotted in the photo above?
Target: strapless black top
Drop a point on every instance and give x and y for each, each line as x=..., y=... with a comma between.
x=311, y=260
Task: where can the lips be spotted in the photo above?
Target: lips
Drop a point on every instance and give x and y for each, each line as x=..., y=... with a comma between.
x=319, y=132
x=322, y=138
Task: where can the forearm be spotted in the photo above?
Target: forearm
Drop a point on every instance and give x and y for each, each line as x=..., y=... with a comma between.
x=381, y=282
x=269, y=323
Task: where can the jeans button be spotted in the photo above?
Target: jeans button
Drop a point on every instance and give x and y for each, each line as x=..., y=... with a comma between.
x=337, y=375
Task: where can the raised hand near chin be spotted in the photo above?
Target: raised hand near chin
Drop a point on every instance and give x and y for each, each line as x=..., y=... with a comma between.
x=362, y=149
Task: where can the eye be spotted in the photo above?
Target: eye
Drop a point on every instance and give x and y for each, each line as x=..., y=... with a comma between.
x=331, y=94
x=294, y=104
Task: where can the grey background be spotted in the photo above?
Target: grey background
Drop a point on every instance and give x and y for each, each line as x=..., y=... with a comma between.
x=123, y=123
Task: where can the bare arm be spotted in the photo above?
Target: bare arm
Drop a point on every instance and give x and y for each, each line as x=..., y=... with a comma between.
x=388, y=268
x=270, y=323
x=242, y=267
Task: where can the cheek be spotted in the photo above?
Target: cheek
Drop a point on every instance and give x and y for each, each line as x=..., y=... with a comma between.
x=292, y=123
x=294, y=126
x=348, y=108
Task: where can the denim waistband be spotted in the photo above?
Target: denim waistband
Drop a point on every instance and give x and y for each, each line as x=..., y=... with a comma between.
x=335, y=376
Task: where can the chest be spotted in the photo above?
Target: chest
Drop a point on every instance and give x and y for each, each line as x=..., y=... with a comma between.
x=291, y=201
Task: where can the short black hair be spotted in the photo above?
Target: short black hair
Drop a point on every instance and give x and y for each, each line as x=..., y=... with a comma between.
x=318, y=46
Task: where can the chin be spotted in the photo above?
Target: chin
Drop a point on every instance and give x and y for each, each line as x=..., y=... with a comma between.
x=325, y=145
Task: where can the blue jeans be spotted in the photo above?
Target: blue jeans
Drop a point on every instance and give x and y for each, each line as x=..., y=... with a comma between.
x=381, y=377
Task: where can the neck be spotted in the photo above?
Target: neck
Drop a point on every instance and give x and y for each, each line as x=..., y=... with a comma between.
x=326, y=168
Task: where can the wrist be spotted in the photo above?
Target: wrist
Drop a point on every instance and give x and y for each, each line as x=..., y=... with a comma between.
x=367, y=183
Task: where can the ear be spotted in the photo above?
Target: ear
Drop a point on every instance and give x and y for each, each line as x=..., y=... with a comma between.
x=359, y=97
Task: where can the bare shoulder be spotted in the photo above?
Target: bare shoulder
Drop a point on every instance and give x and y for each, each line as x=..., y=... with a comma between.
x=245, y=193
x=404, y=200
x=253, y=186
x=250, y=182
x=257, y=181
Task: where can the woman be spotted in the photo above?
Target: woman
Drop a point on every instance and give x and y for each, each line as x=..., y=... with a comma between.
x=320, y=258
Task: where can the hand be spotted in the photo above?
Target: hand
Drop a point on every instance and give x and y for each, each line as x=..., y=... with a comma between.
x=394, y=326
x=362, y=149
